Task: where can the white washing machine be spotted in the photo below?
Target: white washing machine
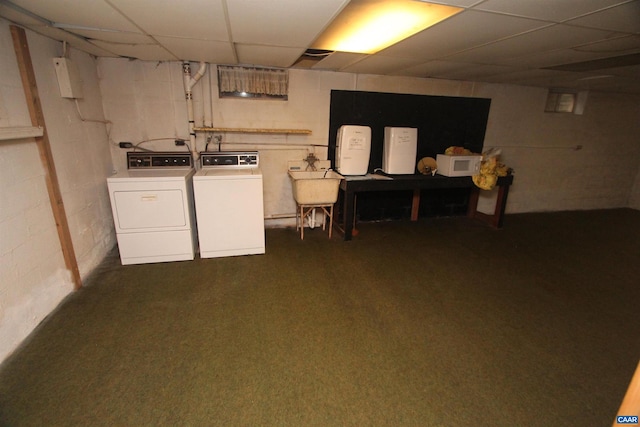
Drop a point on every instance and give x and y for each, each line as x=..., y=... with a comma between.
x=229, y=204
x=152, y=204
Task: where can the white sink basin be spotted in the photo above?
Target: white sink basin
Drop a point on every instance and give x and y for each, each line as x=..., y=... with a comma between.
x=315, y=187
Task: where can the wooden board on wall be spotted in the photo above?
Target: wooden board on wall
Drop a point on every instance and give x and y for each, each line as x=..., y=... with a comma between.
x=442, y=121
x=36, y=113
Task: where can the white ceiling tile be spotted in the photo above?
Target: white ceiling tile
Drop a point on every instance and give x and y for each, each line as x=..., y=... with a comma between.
x=434, y=69
x=550, y=10
x=625, y=17
x=115, y=36
x=457, y=3
x=270, y=56
x=532, y=76
x=615, y=46
x=380, y=65
x=565, y=80
x=479, y=72
x=549, y=59
x=141, y=51
x=18, y=17
x=73, y=40
x=489, y=36
x=569, y=80
x=214, y=52
x=94, y=14
x=462, y=31
x=338, y=60
x=632, y=71
x=558, y=79
x=546, y=39
x=421, y=70
x=196, y=19
x=608, y=48
x=288, y=23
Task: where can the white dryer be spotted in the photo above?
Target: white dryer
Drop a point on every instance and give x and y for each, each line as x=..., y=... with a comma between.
x=152, y=204
x=229, y=204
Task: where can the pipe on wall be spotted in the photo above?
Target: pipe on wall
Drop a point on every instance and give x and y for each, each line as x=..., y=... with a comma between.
x=189, y=83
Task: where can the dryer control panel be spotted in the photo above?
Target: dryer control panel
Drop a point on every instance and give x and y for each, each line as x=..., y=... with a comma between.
x=138, y=160
x=230, y=159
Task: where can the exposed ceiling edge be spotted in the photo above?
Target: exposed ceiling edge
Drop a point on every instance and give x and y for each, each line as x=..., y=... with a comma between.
x=311, y=57
x=599, y=64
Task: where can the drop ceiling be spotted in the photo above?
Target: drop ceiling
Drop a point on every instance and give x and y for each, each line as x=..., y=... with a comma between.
x=540, y=43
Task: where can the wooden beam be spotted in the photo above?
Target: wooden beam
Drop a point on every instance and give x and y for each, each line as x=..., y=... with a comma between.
x=27, y=74
x=19, y=132
x=252, y=130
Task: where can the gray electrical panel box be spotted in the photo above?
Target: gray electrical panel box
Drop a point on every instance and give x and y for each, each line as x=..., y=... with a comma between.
x=68, y=78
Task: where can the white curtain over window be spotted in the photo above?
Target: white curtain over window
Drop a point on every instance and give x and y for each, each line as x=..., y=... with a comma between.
x=265, y=81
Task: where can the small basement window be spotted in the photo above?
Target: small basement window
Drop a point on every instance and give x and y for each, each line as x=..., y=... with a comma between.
x=560, y=102
x=252, y=82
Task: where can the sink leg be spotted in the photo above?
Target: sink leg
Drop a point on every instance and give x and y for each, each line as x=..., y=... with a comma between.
x=301, y=222
x=302, y=213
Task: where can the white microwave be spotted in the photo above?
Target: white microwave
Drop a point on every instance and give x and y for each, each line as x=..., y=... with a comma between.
x=458, y=165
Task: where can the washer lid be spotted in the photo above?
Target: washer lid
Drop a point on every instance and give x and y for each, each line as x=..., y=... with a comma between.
x=215, y=172
x=164, y=174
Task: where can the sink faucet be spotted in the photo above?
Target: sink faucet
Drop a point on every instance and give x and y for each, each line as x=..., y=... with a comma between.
x=311, y=161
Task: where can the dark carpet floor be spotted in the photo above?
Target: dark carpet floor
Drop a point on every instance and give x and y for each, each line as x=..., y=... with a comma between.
x=441, y=322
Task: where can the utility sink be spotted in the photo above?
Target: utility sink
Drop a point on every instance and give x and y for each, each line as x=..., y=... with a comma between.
x=315, y=187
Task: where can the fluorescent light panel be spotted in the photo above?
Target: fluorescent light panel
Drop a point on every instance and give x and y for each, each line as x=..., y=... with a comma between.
x=368, y=26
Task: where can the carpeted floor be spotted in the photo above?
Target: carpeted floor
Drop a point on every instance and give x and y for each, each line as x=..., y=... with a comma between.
x=442, y=322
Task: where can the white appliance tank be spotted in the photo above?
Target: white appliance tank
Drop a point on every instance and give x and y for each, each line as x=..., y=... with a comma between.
x=353, y=148
x=399, y=150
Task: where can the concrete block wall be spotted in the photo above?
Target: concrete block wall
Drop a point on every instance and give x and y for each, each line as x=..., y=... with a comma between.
x=146, y=101
x=33, y=276
x=550, y=174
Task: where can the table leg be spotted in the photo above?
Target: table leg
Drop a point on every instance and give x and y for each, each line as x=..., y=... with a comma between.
x=501, y=205
x=415, y=205
x=496, y=219
x=348, y=214
x=472, y=207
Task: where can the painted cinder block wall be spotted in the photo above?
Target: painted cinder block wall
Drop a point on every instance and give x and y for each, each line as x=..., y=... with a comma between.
x=551, y=174
x=145, y=100
x=33, y=277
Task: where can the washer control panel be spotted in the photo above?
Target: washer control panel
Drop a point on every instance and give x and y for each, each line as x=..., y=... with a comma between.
x=230, y=159
x=144, y=160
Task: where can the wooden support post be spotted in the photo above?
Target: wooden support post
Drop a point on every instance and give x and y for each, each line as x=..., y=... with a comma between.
x=27, y=74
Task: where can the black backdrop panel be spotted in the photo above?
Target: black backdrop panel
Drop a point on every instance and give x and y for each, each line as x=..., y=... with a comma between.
x=442, y=121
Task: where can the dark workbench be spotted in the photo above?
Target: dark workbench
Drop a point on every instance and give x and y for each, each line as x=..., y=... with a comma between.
x=352, y=185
